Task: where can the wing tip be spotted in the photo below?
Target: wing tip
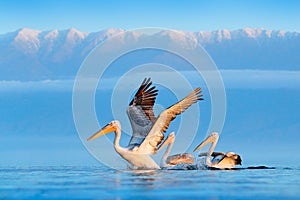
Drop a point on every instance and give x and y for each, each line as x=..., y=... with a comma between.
x=198, y=93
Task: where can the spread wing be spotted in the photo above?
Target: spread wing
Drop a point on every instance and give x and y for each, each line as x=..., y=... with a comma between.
x=156, y=136
x=214, y=154
x=140, y=112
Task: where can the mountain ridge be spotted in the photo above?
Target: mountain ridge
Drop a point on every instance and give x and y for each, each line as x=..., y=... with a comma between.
x=28, y=54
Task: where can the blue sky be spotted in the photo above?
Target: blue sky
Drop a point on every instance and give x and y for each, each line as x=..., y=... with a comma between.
x=195, y=15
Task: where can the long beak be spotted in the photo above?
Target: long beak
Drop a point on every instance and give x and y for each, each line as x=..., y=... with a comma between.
x=106, y=129
x=211, y=138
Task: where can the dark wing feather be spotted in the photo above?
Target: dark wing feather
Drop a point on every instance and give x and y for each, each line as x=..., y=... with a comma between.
x=140, y=112
x=214, y=154
x=145, y=98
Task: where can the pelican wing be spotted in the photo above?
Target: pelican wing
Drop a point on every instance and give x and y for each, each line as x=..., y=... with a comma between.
x=140, y=112
x=181, y=158
x=214, y=154
x=156, y=136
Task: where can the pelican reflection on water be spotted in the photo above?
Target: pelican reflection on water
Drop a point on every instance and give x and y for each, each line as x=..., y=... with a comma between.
x=148, y=131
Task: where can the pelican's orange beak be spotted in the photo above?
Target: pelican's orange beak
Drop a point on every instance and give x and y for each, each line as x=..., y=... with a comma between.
x=106, y=129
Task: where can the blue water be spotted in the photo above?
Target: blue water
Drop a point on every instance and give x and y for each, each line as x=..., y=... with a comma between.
x=103, y=183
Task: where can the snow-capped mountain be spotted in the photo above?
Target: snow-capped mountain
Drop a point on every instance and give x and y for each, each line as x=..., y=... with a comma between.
x=33, y=54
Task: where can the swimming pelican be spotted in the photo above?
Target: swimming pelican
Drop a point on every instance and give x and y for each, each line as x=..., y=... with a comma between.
x=147, y=130
x=177, y=161
x=220, y=160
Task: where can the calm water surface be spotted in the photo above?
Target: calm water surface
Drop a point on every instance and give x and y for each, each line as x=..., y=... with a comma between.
x=104, y=183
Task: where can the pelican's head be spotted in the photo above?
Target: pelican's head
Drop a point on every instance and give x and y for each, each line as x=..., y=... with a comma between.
x=211, y=138
x=111, y=127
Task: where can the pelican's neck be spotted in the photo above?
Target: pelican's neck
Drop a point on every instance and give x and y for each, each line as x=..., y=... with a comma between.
x=117, y=138
x=166, y=155
x=211, y=150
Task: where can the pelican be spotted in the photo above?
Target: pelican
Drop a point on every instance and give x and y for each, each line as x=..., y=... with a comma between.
x=147, y=129
x=220, y=160
x=177, y=161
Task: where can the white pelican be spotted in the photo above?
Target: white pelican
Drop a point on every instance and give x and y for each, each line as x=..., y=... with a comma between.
x=177, y=161
x=147, y=130
x=220, y=160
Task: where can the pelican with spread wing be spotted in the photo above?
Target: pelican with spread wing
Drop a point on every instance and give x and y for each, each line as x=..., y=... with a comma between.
x=148, y=131
x=218, y=160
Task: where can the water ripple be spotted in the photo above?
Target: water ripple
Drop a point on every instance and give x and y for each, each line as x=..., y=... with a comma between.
x=103, y=183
